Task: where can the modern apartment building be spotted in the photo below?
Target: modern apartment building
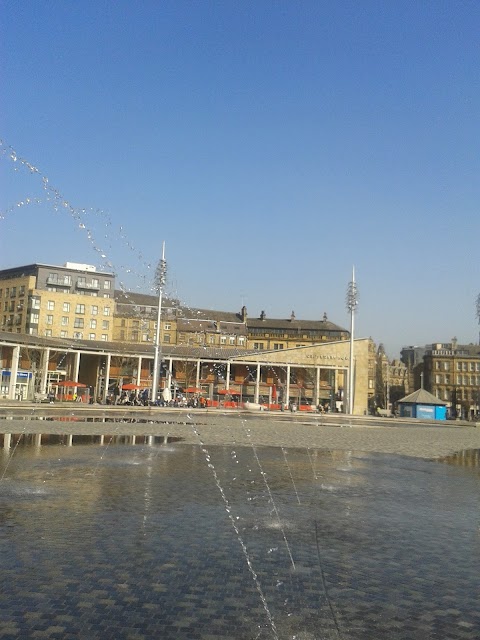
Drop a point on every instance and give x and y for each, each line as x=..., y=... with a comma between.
x=74, y=301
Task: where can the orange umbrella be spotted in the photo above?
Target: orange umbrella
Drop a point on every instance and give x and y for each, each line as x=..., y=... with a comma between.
x=193, y=390
x=69, y=383
x=228, y=392
x=130, y=386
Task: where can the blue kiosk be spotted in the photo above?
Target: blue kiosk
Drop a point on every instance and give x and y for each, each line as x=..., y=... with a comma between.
x=424, y=405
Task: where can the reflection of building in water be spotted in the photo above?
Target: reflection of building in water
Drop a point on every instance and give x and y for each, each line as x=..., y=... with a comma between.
x=465, y=458
x=71, y=325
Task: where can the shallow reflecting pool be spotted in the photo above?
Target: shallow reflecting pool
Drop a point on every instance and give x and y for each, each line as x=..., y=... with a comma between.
x=147, y=539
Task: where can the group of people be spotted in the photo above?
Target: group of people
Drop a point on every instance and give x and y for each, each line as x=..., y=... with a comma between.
x=135, y=398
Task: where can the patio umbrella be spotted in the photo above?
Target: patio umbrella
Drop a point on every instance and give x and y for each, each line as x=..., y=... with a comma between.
x=69, y=383
x=193, y=390
x=130, y=386
x=228, y=392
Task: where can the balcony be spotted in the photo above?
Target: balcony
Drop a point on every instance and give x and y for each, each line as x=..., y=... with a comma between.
x=56, y=282
x=91, y=286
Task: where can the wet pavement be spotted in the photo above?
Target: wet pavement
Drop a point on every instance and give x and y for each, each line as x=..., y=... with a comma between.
x=179, y=541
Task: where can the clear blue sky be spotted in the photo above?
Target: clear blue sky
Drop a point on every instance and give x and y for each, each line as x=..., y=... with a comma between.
x=271, y=145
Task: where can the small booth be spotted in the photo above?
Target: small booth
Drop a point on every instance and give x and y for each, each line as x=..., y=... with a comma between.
x=424, y=405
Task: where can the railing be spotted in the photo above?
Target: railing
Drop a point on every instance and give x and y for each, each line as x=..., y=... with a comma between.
x=87, y=285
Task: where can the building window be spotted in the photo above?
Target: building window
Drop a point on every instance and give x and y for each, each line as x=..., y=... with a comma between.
x=49, y=319
x=211, y=339
x=91, y=336
x=258, y=346
x=106, y=311
x=144, y=337
x=78, y=324
x=167, y=326
x=64, y=320
x=277, y=346
x=241, y=340
x=66, y=307
x=48, y=333
x=438, y=379
x=166, y=338
x=231, y=340
x=223, y=339
x=134, y=336
x=50, y=305
x=35, y=303
x=104, y=337
x=123, y=323
x=107, y=284
x=122, y=335
x=95, y=283
x=63, y=334
x=80, y=308
x=105, y=324
x=34, y=318
x=78, y=335
x=94, y=310
x=93, y=323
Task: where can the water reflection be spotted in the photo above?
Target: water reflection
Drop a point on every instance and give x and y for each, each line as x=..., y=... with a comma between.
x=102, y=419
x=466, y=458
x=129, y=537
x=9, y=440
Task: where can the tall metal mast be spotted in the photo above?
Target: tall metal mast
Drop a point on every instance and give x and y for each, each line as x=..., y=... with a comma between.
x=160, y=279
x=352, y=302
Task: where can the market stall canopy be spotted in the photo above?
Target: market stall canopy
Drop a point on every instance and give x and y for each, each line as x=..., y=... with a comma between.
x=193, y=390
x=228, y=392
x=130, y=386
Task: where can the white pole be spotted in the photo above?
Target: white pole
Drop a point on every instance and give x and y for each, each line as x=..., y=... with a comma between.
x=160, y=281
x=351, y=306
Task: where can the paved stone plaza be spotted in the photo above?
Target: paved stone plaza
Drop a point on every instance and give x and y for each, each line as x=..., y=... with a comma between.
x=237, y=527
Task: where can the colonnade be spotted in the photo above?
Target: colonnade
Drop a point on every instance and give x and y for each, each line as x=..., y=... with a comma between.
x=104, y=361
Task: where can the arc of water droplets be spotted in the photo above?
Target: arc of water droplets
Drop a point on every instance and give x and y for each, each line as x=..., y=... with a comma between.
x=228, y=509
x=58, y=202
x=264, y=476
x=291, y=477
x=10, y=457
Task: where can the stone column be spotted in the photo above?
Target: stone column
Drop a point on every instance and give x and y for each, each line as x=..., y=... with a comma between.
x=139, y=370
x=197, y=378
x=228, y=375
x=257, y=385
x=106, y=377
x=14, y=372
x=76, y=366
x=287, y=387
x=316, y=395
x=44, y=372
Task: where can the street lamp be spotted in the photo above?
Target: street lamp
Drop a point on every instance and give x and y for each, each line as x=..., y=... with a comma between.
x=352, y=302
x=160, y=279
